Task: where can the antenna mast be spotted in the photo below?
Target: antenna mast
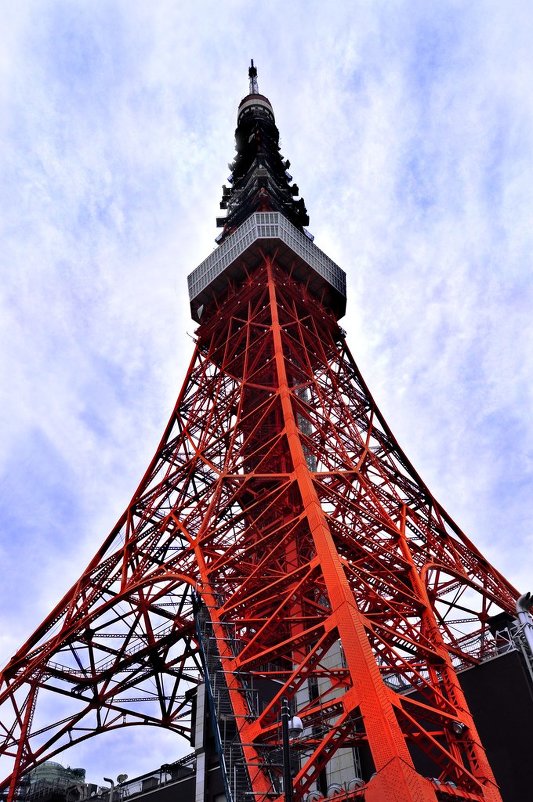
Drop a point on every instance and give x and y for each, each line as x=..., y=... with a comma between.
x=252, y=74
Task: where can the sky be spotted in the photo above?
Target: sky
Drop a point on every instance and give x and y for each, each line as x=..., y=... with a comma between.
x=409, y=127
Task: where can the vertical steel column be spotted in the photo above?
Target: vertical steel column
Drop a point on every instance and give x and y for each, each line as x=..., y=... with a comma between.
x=287, y=774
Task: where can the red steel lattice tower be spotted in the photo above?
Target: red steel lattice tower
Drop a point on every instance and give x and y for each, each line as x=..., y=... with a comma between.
x=280, y=545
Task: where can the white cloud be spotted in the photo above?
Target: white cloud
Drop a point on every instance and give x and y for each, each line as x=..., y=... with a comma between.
x=410, y=134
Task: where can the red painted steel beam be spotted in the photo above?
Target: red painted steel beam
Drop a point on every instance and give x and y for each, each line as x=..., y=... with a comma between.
x=280, y=501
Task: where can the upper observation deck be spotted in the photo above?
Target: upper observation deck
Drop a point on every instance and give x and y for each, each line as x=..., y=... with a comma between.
x=268, y=233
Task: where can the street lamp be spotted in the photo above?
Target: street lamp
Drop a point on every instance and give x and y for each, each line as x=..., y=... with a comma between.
x=120, y=779
x=112, y=784
x=289, y=726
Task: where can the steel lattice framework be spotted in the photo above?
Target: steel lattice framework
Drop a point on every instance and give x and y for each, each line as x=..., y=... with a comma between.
x=281, y=521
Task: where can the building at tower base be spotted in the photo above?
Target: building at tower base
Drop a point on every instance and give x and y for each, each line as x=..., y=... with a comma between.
x=499, y=693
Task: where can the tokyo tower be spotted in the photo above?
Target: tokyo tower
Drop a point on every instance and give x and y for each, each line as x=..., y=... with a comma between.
x=280, y=550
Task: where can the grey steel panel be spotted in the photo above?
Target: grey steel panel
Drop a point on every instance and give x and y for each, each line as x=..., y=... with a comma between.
x=265, y=225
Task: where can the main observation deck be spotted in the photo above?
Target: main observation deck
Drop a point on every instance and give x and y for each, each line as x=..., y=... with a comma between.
x=293, y=249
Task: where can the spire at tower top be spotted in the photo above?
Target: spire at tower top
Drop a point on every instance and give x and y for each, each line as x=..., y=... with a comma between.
x=259, y=179
x=252, y=74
